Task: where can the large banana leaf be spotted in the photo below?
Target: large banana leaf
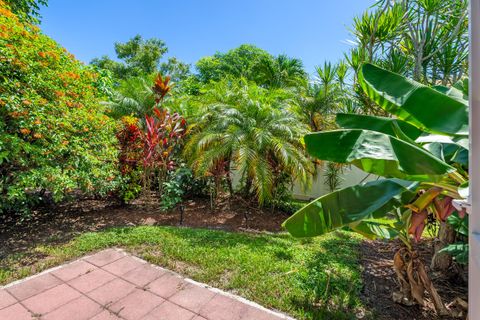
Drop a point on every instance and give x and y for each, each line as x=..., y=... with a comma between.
x=453, y=93
x=350, y=205
x=374, y=230
x=377, y=153
x=460, y=141
x=424, y=107
x=458, y=91
x=385, y=125
x=447, y=152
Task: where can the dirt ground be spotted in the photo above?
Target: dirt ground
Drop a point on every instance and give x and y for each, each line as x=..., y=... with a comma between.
x=62, y=223
x=379, y=280
x=66, y=221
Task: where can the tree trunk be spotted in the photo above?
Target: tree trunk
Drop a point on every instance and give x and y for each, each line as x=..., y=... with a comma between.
x=417, y=72
x=248, y=186
x=230, y=184
x=441, y=261
x=414, y=281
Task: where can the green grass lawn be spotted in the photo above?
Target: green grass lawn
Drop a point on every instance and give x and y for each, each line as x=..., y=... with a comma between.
x=309, y=279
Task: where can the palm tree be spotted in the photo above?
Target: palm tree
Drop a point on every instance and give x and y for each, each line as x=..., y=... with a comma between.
x=252, y=131
x=314, y=106
x=281, y=72
x=325, y=96
x=133, y=97
x=326, y=75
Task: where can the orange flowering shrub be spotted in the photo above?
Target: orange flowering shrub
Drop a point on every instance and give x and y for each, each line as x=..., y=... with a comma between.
x=53, y=135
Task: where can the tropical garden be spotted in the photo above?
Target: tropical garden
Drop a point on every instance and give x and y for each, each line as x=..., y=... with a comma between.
x=193, y=166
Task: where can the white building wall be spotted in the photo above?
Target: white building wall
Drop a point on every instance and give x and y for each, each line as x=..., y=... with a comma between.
x=351, y=176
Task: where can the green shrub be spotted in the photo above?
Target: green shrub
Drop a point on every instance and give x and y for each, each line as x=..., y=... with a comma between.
x=54, y=138
x=179, y=183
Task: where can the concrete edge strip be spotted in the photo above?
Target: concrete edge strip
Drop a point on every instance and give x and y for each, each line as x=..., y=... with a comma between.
x=216, y=290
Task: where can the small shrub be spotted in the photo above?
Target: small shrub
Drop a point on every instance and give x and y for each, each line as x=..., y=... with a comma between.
x=179, y=184
x=459, y=249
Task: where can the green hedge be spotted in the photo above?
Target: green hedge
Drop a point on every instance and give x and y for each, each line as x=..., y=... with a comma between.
x=54, y=138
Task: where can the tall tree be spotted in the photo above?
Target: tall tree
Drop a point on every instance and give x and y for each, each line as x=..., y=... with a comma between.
x=326, y=95
x=253, y=64
x=238, y=62
x=140, y=61
x=27, y=10
x=137, y=56
x=280, y=72
x=424, y=39
x=175, y=68
x=133, y=97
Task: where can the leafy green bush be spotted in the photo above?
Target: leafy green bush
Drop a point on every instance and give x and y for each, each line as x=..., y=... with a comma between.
x=459, y=249
x=54, y=138
x=175, y=188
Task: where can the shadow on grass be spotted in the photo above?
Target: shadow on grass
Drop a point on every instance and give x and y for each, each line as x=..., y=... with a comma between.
x=206, y=238
x=332, y=282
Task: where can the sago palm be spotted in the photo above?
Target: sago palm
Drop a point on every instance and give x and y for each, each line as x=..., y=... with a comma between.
x=251, y=131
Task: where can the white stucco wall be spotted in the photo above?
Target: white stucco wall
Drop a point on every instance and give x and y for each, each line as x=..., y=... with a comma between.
x=351, y=176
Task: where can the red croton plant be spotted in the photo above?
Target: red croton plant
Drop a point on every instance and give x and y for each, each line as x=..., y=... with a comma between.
x=154, y=145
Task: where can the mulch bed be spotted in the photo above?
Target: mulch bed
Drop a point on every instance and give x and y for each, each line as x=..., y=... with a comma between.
x=62, y=223
x=380, y=281
x=65, y=221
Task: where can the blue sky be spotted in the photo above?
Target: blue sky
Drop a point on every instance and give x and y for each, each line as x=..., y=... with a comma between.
x=313, y=30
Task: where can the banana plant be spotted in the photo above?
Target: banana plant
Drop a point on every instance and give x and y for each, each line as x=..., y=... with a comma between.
x=421, y=155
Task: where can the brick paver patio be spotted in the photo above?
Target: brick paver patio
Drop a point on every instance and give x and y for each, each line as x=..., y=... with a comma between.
x=115, y=285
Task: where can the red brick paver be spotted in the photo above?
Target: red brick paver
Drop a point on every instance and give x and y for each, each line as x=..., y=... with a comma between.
x=112, y=285
x=122, y=266
x=105, y=257
x=17, y=312
x=105, y=315
x=73, y=270
x=193, y=297
x=51, y=299
x=78, y=309
x=169, y=311
x=34, y=286
x=111, y=292
x=137, y=304
x=167, y=285
x=6, y=299
x=223, y=308
x=143, y=275
x=91, y=280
